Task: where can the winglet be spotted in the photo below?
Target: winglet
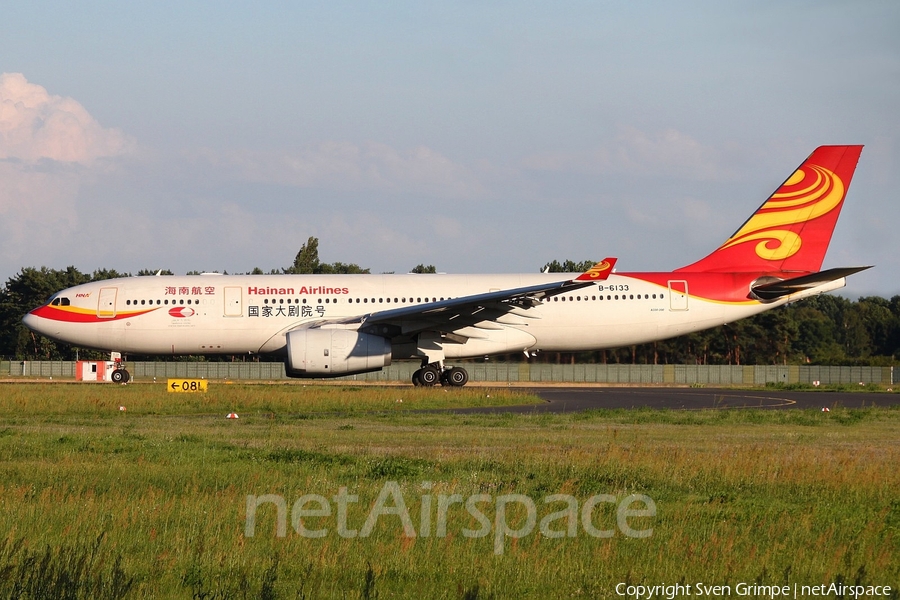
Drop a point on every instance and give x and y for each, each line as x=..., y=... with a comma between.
x=598, y=272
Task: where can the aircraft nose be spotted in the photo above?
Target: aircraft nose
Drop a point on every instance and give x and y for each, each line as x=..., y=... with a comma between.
x=33, y=322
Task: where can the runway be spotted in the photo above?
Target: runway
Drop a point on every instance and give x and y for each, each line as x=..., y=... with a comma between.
x=563, y=400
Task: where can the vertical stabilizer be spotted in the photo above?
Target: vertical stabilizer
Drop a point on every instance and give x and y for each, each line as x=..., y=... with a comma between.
x=790, y=232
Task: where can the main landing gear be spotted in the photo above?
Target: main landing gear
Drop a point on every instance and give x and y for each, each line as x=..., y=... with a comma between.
x=430, y=375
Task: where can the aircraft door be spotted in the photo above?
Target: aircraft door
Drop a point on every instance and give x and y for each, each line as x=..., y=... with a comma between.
x=106, y=304
x=678, y=295
x=233, y=304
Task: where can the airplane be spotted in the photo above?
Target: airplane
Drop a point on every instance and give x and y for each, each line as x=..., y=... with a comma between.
x=336, y=325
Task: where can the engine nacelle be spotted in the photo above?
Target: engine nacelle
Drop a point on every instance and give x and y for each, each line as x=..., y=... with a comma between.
x=334, y=352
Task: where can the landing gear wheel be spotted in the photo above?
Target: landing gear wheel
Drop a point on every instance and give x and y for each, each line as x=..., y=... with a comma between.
x=428, y=376
x=417, y=378
x=457, y=377
x=120, y=376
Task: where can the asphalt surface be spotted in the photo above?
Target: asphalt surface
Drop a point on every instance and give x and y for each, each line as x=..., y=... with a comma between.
x=562, y=400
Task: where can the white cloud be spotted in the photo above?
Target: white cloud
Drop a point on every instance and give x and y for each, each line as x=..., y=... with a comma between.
x=50, y=147
x=35, y=125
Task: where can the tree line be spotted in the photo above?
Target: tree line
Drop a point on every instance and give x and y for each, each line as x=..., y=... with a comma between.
x=824, y=330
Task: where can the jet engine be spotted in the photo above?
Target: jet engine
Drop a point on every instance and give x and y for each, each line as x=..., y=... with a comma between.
x=334, y=352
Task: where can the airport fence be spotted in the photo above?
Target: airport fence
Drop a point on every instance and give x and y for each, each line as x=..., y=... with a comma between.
x=712, y=375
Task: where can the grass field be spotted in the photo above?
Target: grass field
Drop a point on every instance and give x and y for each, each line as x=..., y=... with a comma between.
x=152, y=501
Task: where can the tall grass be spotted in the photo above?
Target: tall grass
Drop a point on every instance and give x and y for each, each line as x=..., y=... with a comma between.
x=270, y=400
x=764, y=496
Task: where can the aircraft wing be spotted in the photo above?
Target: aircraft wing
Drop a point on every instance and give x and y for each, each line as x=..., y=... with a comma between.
x=447, y=316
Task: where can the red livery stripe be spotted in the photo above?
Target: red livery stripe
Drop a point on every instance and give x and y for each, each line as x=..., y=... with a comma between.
x=72, y=314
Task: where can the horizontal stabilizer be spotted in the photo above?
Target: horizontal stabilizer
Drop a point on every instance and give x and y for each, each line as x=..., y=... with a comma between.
x=786, y=287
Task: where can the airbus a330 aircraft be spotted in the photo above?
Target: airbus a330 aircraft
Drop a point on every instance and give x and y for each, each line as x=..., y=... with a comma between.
x=333, y=325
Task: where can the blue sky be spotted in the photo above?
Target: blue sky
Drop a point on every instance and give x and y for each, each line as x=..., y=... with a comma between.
x=479, y=137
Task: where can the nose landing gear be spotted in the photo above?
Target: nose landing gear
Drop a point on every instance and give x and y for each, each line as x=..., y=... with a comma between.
x=120, y=376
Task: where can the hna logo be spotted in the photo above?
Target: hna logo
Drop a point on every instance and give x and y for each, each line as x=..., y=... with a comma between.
x=83, y=295
x=812, y=191
x=182, y=312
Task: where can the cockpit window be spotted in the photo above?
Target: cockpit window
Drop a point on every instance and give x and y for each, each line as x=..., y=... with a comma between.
x=62, y=301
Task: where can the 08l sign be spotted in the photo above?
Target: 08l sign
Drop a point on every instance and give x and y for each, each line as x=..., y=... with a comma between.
x=187, y=385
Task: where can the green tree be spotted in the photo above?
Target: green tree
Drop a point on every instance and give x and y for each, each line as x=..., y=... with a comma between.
x=815, y=341
x=307, y=262
x=307, y=259
x=420, y=268
x=101, y=274
x=568, y=266
x=154, y=272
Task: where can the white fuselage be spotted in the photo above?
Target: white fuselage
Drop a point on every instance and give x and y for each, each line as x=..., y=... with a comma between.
x=233, y=314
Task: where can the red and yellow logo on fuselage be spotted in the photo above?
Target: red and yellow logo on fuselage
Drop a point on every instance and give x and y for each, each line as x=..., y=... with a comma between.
x=74, y=314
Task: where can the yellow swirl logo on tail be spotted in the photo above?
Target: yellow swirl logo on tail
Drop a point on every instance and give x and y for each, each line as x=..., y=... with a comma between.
x=810, y=192
x=598, y=269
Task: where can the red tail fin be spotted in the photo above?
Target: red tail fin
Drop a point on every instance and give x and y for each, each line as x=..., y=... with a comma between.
x=792, y=229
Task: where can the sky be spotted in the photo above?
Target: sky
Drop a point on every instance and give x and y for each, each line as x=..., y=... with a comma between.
x=480, y=137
